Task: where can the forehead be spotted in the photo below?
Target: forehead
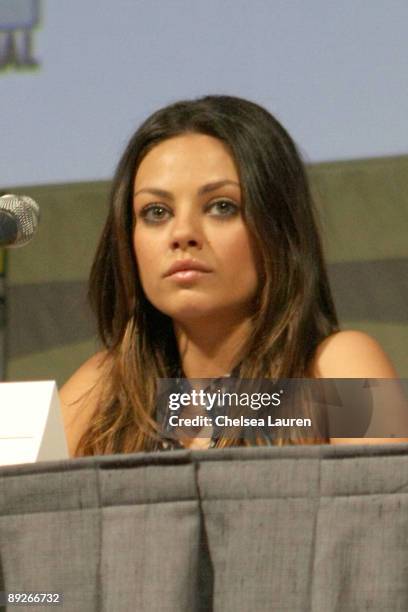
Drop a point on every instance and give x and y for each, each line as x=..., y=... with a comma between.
x=190, y=157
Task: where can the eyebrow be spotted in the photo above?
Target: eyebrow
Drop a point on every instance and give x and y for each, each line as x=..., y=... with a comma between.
x=204, y=189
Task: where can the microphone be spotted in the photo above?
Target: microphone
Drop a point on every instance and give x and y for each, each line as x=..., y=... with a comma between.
x=19, y=217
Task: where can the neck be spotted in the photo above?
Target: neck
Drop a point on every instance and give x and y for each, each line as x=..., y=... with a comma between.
x=209, y=349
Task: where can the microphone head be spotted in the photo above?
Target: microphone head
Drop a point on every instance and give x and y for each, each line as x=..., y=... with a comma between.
x=26, y=214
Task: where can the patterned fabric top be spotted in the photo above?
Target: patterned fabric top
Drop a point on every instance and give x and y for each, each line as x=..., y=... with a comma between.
x=170, y=442
x=175, y=444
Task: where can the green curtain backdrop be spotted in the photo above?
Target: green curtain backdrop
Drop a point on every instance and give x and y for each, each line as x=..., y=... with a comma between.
x=363, y=207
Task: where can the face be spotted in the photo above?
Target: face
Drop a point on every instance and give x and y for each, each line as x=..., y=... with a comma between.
x=194, y=253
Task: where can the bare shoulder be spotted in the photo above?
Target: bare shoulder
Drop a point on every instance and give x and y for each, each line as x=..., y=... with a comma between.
x=352, y=354
x=79, y=397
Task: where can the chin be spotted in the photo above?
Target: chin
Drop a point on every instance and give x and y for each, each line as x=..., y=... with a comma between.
x=190, y=313
x=199, y=311
x=188, y=309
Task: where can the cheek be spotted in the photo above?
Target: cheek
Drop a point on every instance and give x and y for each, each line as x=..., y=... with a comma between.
x=144, y=254
x=239, y=254
x=144, y=241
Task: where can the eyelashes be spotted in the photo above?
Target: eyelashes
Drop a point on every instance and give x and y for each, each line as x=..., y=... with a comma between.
x=219, y=210
x=156, y=213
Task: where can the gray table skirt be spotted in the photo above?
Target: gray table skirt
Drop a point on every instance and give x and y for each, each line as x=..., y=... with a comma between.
x=304, y=528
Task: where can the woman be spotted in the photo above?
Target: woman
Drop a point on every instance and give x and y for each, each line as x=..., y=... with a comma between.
x=209, y=263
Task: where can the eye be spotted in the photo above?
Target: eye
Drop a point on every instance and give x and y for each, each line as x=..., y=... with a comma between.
x=154, y=213
x=223, y=208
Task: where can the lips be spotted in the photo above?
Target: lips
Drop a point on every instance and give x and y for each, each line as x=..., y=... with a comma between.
x=187, y=265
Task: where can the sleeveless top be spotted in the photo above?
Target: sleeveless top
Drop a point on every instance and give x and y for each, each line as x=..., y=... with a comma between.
x=171, y=443
x=355, y=408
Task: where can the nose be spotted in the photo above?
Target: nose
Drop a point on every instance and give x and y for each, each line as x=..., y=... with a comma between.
x=186, y=232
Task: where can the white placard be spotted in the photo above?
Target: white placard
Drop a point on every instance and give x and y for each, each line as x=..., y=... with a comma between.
x=31, y=427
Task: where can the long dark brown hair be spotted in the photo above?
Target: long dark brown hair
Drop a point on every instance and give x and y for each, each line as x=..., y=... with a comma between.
x=294, y=311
